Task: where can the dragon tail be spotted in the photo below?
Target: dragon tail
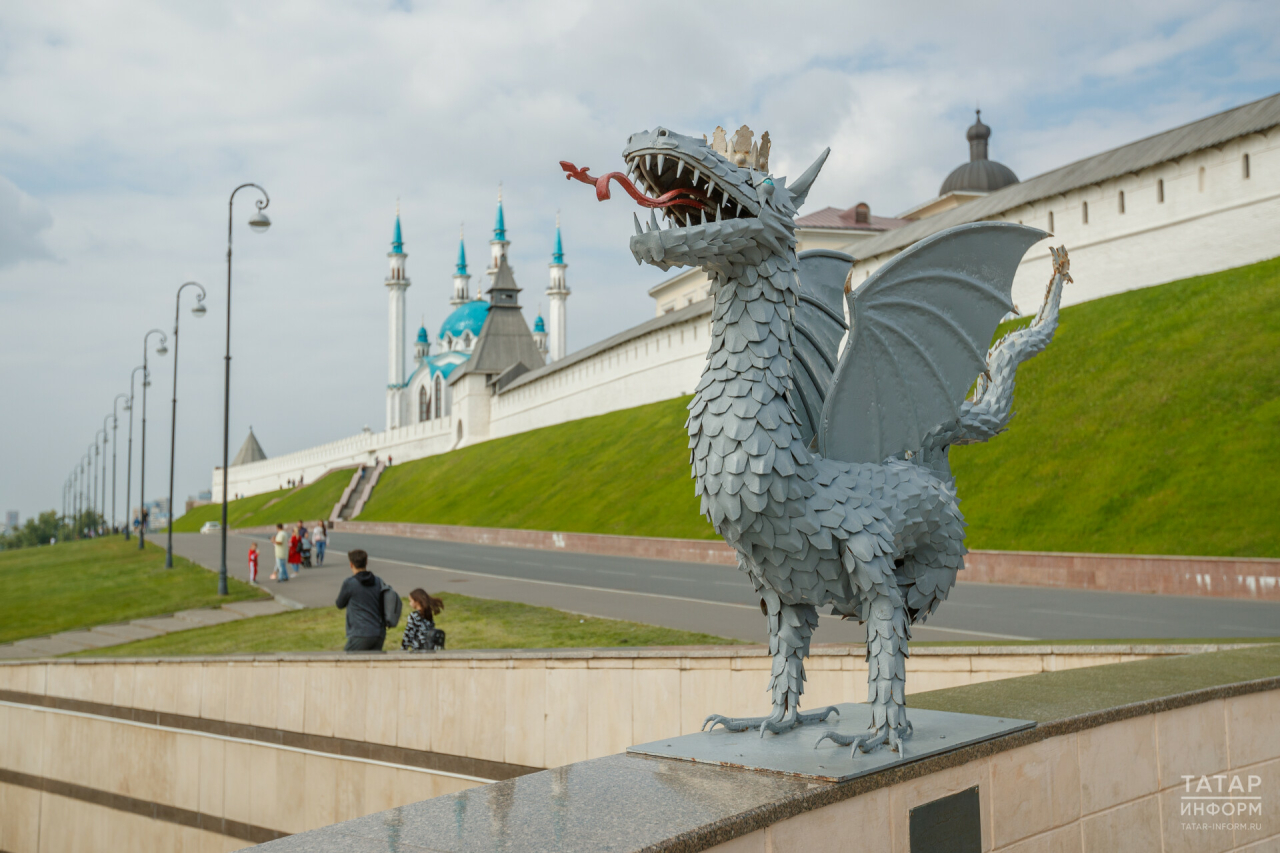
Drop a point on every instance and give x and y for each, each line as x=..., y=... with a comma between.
x=990, y=409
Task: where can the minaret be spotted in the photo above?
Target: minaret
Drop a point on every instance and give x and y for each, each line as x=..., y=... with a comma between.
x=461, y=280
x=397, y=284
x=558, y=293
x=498, y=245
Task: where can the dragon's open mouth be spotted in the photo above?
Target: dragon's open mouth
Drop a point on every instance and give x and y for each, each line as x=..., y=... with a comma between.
x=686, y=193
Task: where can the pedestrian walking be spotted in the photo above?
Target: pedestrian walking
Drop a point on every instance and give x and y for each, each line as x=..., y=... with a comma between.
x=281, y=541
x=305, y=548
x=362, y=596
x=253, y=562
x=295, y=552
x=420, y=631
x=321, y=538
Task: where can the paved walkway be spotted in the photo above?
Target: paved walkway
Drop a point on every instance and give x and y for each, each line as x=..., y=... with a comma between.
x=138, y=629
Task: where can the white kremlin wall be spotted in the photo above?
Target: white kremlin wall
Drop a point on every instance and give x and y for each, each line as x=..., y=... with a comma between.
x=1212, y=218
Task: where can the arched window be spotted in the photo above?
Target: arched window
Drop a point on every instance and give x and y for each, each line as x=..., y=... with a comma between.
x=1202, y=179
x=439, y=393
x=1122, y=201
x=466, y=340
x=1244, y=165
x=1160, y=191
x=424, y=404
x=1051, y=222
x=1084, y=212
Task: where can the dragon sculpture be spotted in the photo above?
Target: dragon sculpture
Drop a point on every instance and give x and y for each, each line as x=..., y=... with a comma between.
x=826, y=470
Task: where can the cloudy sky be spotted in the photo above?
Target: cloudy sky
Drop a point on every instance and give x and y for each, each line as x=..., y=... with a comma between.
x=125, y=126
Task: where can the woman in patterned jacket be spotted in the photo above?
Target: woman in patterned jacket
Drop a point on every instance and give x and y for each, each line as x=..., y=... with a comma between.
x=420, y=633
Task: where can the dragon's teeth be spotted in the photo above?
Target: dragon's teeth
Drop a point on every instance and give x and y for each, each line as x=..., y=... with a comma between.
x=739, y=211
x=636, y=216
x=653, y=221
x=679, y=168
x=696, y=175
x=648, y=161
x=704, y=216
x=717, y=214
x=662, y=161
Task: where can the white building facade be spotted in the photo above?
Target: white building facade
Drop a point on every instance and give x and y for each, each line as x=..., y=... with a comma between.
x=1193, y=200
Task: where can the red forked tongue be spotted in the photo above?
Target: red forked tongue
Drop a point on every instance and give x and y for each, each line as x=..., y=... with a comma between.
x=687, y=197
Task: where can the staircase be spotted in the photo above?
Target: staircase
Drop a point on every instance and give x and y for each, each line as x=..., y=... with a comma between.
x=357, y=492
x=346, y=505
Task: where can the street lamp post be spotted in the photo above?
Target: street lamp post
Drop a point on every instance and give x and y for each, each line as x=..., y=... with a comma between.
x=99, y=483
x=259, y=222
x=115, y=445
x=128, y=468
x=199, y=311
x=91, y=486
x=102, y=489
x=142, y=457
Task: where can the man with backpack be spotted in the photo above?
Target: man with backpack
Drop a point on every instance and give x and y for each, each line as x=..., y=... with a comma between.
x=372, y=606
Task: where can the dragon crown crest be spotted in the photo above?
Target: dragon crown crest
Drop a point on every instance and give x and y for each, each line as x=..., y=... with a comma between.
x=740, y=149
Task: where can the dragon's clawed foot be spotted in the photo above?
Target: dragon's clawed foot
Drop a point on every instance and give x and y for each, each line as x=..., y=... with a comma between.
x=885, y=735
x=779, y=721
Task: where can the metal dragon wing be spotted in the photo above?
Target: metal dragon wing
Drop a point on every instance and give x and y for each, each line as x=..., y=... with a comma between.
x=820, y=326
x=921, y=328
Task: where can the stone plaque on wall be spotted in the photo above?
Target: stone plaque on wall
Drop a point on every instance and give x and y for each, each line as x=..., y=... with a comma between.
x=949, y=825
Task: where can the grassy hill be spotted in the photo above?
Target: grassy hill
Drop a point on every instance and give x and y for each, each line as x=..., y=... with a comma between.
x=310, y=502
x=625, y=472
x=1150, y=425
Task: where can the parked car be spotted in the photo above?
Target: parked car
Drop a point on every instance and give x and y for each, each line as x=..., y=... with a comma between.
x=211, y=527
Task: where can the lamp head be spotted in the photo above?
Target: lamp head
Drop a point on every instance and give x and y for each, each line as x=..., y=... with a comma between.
x=260, y=222
x=199, y=309
x=162, y=349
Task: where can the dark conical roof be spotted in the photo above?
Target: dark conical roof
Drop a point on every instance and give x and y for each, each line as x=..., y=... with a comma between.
x=979, y=174
x=250, y=451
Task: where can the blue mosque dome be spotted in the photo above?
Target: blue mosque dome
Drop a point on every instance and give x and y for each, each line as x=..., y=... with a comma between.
x=538, y=325
x=422, y=335
x=467, y=318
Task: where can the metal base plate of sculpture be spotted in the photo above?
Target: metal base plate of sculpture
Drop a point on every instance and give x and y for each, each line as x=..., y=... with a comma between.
x=792, y=752
x=826, y=468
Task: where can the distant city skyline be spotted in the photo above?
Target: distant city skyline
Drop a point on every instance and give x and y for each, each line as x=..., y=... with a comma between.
x=126, y=127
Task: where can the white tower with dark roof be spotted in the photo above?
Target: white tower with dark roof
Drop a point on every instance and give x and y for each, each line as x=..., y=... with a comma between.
x=498, y=245
x=397, y=283
x=558, y=293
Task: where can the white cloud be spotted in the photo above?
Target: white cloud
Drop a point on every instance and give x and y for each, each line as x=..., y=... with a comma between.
x=132, y=121
x=23, y=222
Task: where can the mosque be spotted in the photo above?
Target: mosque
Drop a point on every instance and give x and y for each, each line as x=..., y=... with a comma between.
x=1186, y=201
x=484, y=335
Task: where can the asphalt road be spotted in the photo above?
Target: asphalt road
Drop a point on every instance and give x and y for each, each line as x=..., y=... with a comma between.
x=719, y=600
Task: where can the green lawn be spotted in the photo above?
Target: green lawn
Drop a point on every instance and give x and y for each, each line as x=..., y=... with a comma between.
x=309, y=503
x=1151, y=424
x=1050, y=696
x=625, y=472
x=470, y=623
x=94, y=582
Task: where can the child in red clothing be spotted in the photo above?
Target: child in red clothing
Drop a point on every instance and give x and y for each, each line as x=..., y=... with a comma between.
x=253, y=562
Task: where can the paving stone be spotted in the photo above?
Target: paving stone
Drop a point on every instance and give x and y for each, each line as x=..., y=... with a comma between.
x=126, y=632
x=12, y=651
x=207, y=617
x=88, y=639
x=256, y=608
x=161, y=624
x=51, y=646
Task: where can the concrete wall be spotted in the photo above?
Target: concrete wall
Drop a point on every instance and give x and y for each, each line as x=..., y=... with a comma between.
x=1116, y=787
x=215, y=754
